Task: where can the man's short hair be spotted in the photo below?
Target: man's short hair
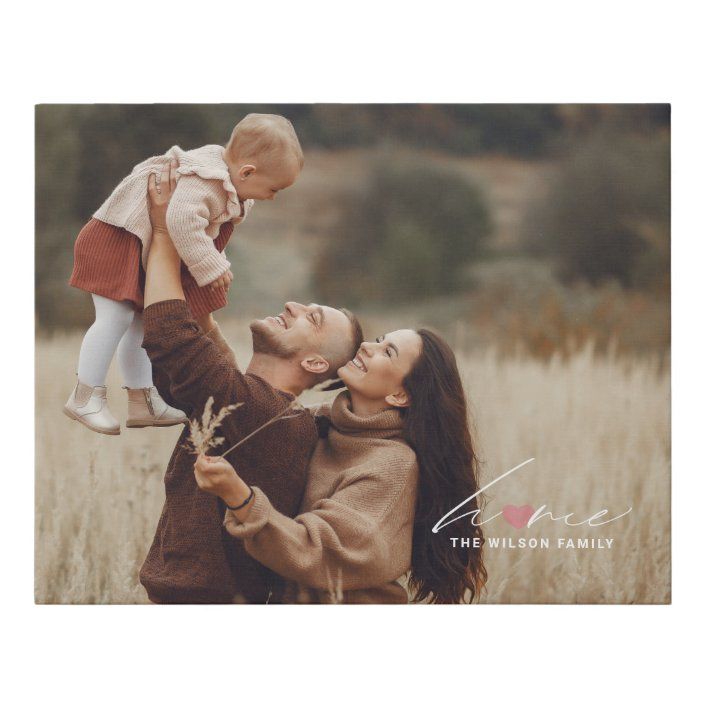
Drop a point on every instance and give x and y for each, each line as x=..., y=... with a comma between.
x=357, y=334
x=341, y=354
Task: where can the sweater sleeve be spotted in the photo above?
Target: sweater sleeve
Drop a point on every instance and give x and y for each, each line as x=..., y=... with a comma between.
x=187, y=218
x=190, y=360
x=349, y=538
x=163, y=383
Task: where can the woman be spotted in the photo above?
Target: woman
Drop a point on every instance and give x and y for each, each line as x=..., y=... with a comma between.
x=394, y=457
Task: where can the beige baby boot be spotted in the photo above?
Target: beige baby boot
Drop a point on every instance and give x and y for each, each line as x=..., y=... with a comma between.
x=89, y=405
x=146, y=408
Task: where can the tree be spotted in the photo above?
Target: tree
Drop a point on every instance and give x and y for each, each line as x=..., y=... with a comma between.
x=607, y=214
x=407, y=235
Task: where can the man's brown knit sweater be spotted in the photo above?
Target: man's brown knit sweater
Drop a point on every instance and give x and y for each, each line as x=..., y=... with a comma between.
x=353, y=539
x=192, y=558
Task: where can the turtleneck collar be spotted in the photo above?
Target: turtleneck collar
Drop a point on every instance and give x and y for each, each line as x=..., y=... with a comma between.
x=385, y=424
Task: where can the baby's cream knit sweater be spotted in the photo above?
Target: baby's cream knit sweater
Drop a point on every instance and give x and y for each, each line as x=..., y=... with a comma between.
x=204, y=199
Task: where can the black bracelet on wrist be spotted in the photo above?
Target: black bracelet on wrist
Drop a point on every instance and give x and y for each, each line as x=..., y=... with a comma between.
x=244, y=503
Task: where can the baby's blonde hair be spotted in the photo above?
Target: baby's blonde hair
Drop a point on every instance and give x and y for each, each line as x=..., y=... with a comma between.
x=267, y=138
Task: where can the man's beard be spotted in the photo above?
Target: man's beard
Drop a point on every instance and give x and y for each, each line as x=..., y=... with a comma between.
x=264, y=341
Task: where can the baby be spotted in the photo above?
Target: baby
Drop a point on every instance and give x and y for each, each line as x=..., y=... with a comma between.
x=216, y=188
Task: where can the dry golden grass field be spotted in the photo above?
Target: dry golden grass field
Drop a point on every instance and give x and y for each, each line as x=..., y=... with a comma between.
x=598, y=427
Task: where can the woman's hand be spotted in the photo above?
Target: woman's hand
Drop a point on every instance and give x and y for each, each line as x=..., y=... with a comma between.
x=217, y=476
x=161, y=187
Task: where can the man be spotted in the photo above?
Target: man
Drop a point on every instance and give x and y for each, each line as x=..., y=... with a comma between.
x=192, y=558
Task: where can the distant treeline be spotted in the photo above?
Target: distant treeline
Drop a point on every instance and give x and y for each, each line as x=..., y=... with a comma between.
x=84, y=150
x=606, y=215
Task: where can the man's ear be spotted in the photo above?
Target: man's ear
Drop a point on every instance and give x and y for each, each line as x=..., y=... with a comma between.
x=315, y=364
x=246, y=171
x=400, y=399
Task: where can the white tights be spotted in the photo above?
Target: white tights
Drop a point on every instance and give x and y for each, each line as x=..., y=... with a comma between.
x=118, y=326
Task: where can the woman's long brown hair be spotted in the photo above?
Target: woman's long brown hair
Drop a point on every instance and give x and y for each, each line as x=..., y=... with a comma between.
x=436, y=426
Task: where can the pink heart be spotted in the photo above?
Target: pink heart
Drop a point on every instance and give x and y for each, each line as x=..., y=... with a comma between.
x=517, y=516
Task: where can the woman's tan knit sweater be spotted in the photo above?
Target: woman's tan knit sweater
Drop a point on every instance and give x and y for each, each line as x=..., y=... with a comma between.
x=204, y=199
x=353, y=536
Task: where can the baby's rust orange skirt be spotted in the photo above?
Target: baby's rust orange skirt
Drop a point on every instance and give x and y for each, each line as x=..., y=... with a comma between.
x=107, y=261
